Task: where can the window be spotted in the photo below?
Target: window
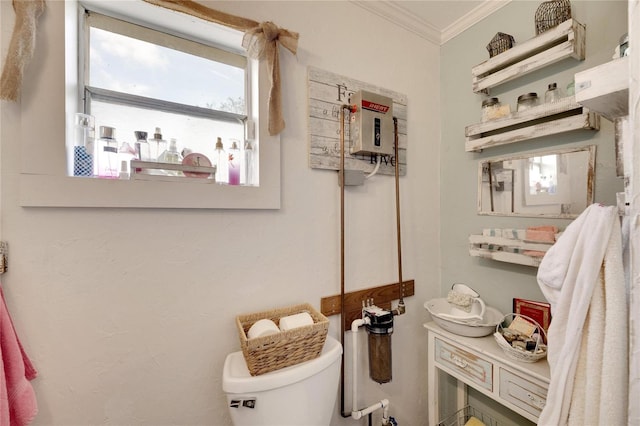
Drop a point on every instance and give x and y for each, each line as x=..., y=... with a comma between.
x=148, y=85
x=47, y=122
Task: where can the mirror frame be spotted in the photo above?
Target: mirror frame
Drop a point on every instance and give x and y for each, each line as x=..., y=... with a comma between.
x=590, y=180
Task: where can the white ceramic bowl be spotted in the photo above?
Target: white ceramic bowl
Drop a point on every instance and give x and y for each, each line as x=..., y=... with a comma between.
x=491, y=318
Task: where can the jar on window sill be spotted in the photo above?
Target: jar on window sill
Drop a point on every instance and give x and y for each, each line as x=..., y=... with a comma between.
x=493, y=109
x=527, y=101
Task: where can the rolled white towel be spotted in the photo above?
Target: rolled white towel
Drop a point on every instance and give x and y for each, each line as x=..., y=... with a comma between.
x=294, y=321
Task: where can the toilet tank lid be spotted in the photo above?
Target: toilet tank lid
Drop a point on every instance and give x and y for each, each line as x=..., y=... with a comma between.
x=237, y=379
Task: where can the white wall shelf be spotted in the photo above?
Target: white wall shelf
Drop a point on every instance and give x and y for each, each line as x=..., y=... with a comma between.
x=503, y=256
x=511, y=250
x=605, y=88
x=543, y=120
x=567, y=40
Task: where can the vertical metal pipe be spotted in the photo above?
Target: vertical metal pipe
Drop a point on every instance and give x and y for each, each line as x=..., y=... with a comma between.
x=397, y=170
x=342, y=312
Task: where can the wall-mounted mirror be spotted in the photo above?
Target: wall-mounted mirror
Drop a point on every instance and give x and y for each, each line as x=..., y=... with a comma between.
x=556, y=183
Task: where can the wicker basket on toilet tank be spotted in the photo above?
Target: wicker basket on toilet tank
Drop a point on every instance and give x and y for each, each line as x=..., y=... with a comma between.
x=286, y=348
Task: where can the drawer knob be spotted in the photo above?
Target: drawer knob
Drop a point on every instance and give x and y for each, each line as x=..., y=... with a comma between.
x=536, y=401
x=459, y=361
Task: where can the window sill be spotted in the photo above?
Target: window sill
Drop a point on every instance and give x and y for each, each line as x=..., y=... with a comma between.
x=64, y=191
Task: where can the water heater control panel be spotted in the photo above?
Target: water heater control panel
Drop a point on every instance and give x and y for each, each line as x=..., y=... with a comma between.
x=371, y=125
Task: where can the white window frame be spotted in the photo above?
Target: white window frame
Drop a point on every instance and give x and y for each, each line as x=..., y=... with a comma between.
x=44, y=181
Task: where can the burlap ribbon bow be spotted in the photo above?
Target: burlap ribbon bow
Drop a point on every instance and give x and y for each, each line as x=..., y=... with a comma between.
x=21, y=47
x=261, y=42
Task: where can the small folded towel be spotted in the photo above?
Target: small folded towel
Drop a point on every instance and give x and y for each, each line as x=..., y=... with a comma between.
x=543, y=234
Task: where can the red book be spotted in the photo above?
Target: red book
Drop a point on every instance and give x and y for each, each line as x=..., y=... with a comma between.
x=540, y=312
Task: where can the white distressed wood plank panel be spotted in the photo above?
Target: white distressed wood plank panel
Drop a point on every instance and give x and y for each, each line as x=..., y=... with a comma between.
x=509, y=242
x=585, y=121
x=501, y=256
x=327, y=93
x=523, y=50
x=542, y=111
x=555, y=54
x=564, y=41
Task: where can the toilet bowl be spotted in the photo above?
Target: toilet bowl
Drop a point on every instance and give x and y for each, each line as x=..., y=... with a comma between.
x=302, y=394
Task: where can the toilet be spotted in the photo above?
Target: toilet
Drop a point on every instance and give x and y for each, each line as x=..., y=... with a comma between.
x=302, y=394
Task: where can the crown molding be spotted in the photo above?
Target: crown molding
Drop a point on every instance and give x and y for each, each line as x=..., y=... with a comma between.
x=400, y=16
x=476, y=15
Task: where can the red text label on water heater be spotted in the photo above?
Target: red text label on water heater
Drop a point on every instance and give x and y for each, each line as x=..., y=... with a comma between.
x=373, y=106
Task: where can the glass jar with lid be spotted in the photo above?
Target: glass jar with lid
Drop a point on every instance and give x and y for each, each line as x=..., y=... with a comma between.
x=492, y=109
x=488, y=107
x=553, y=93
x=527, y=101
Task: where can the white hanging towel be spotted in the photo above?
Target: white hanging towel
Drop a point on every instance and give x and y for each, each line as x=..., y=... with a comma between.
x=582, y=278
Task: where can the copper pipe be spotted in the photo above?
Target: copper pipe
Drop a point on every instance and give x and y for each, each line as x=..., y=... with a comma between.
x=400, y=310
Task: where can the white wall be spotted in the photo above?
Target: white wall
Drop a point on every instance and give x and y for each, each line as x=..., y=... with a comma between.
x=128, y=314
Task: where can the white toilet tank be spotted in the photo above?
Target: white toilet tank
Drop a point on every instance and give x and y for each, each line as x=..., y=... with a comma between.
x=299, y=395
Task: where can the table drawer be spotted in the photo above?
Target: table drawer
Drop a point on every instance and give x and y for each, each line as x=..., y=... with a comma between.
x=458, y=362
x=523, y=393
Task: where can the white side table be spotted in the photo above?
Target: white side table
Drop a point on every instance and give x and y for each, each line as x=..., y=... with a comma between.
x=480, y=363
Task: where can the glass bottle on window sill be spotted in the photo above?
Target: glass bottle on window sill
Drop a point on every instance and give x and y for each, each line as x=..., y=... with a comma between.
x=248, y=166
x=234, y=163
x=126, y=153
x=84, y=145
x=106, y=165
x=157, y=145
x=221, y=161
x=142, y=146
x=172, y=156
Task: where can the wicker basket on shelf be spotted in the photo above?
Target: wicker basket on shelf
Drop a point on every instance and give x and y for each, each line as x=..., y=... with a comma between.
x=550, y=14
x=501, y=42
x=286, y=348
x=538, y=353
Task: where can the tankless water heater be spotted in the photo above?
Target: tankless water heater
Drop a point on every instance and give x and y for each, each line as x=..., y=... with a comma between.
x=371, y=125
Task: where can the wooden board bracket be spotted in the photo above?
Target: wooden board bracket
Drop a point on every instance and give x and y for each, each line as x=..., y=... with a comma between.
x=382, y=296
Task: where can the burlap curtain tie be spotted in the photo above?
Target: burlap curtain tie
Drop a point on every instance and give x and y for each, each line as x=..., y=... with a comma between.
x=261, y=42
x=21, y=47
